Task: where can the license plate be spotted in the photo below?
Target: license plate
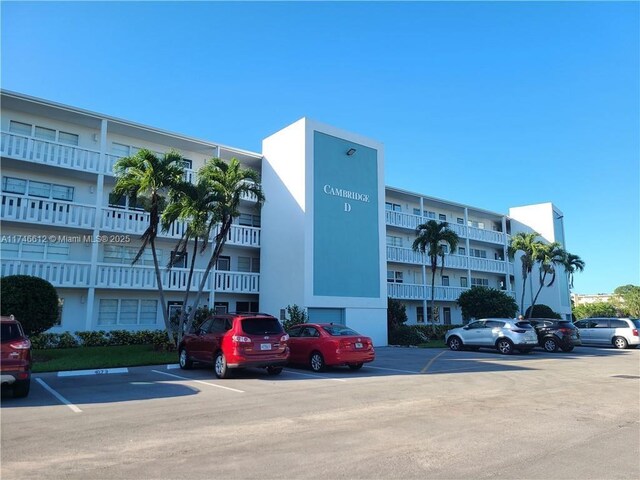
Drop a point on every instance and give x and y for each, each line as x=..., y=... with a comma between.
x=265, y=346
x=358, y=345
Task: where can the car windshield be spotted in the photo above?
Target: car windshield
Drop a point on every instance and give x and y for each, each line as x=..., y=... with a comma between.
x=261, y=326
x=10, y=331
x=339, y=330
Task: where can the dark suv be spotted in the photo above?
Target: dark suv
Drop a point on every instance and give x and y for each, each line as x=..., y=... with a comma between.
x=15, y=357
x=237, y=340
x=554, y=334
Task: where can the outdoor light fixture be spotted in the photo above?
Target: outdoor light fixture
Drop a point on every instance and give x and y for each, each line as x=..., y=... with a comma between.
x=351, y=151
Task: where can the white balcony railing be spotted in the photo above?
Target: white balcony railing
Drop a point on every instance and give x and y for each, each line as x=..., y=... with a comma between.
x=233, y=282
x=50, y=212
x=407, y=220
x=407, y=255
x=136, y=222
x=60, y=274
x=49, y=153
x=408, y=291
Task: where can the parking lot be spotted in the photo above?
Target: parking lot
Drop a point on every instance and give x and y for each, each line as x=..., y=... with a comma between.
x=413, y=413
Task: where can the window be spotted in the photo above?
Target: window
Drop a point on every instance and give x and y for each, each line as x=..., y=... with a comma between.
x=446, y=313
x=224, y=263
x=445, y=247
x=445, y=280
x=119, y=149
x=221, y=307
x=394, y=277
x=14, y=185
x=480, y=282
x=393, y=206
x=186, y=163
x=45, y=133
x=68, y=138
x=474, y=252
x=393, y=241
x=62, y=192
x=36, y=251
x=127, y=312
x=179, y=260
x=473, y=223
x=247, y=307
x=59, y=317
x=19, y=127
x=442, y=217
x=248, y=264
x=310, y=332
x=248, y=220
x=437, y=316
x=39, y=189
x=420, y=314
x=618, y=323
x=462, y=251
x=460, y=221
x=429, y=214
x=494, y=324
x=463, y=282
x=113, y=253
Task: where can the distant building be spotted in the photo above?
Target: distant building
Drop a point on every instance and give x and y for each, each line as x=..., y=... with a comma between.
x=331, y=237
x=584, y=299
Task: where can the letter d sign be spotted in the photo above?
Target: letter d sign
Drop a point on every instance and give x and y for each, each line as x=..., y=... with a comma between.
x=347, y=207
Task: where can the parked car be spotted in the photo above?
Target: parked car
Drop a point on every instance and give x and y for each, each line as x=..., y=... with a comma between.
x=15, y=356
x=326, y=344
x=554, y=334
x=619, y=332
x=236, y=340
x=504, y=334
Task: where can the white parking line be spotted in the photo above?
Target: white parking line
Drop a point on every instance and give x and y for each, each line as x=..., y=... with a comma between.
x=197, y=381
x=316, y=376
x=393, y=370
x=58, y=396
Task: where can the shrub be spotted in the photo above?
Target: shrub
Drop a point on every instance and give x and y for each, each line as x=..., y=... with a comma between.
x=67, y=340
x=98, y=338
x=396, y=313
x=405, y=335
x=32, y=300
x=484, y=302
x=121, y=337
x=541, y=311
x=296, y=315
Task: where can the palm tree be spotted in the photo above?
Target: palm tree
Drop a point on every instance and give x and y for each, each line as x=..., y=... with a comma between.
x=228, y=182
x=194, y=205
x=430, y=240
x=145, y=175
x=528, y=244
x=548, y=256
x=572, y=263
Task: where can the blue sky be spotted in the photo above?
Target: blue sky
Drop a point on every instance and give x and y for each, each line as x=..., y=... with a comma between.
x=493, y=104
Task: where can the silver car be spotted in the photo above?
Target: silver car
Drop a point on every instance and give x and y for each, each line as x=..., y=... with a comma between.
x=504, y=334
x=619, y=332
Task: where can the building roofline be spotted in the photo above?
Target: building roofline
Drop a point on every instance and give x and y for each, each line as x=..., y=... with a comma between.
x=100, y=116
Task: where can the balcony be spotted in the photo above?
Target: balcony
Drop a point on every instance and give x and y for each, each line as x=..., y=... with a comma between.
x=135, y=222
x=411, y=222
x=408, y=291
x=45, y=152
x=407, y=255
x=144, y=278
x=34, y=210
x=60, y=274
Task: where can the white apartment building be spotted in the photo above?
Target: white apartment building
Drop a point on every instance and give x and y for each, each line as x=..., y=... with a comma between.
x=331, y=237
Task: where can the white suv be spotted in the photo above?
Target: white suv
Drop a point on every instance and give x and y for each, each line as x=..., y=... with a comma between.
x=619, y=332
x=504, y=334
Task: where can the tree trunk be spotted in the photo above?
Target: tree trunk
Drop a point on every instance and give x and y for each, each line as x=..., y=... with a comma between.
x=186, y=293
x=221, y=239
x=524, y=289
x=434, y=267
x=165, y=314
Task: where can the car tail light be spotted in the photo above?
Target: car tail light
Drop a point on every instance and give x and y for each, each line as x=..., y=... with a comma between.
x=284, y=337
x=635, y=332
x=566, y=330
x=345, y=343
x=240, y=339
x=518, y=330
x=21, y=345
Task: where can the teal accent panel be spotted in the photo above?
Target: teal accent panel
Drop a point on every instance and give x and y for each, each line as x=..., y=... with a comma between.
x=346, y=247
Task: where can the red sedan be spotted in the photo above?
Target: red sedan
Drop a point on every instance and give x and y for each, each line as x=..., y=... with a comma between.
x=319, y=345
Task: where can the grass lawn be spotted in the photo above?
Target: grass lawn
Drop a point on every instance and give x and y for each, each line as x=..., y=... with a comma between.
x=433, y=344
x=85, y=358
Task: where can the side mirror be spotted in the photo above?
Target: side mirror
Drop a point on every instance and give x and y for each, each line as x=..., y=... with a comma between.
x=466, y=327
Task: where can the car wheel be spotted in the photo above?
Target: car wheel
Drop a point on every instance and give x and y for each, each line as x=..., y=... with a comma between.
x=184, y=361
x=620, y=342
x=274, y=370
x=567, y=349
x=220, y=366
x=505, y=346
x=455, y=344
x=21, y=388
x=550, y=345
x=355, y=366
x=316, y=362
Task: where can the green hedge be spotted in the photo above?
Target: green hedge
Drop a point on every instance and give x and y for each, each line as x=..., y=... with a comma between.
x=417, y=334
x=101, y=338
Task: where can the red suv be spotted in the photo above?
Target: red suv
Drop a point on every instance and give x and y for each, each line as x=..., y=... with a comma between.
x=237, y=340
x=15, y=356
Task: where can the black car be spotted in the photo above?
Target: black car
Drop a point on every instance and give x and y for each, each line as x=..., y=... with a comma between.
x=554, y=334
